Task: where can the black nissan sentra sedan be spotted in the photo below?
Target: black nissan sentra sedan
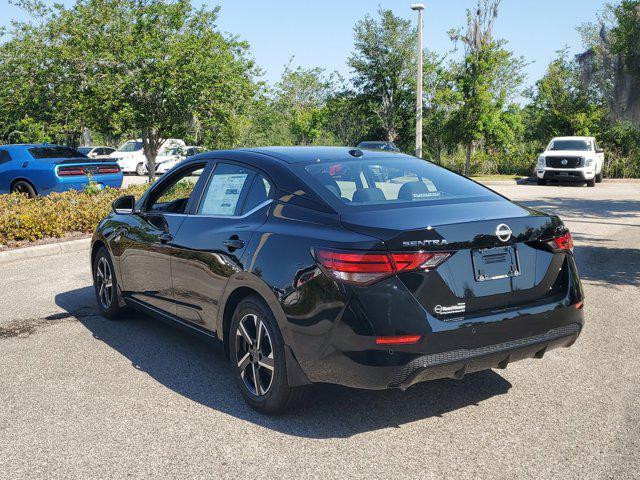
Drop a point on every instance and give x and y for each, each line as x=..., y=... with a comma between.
x=312, y=267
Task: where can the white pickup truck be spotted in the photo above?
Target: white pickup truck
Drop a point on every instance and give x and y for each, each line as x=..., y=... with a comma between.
x=130, y=155
x=566, y=159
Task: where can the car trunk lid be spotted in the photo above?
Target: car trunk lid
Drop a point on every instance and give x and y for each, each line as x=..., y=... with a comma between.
x=499, y=258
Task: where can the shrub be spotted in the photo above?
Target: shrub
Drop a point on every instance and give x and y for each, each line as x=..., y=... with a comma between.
x=58, y=214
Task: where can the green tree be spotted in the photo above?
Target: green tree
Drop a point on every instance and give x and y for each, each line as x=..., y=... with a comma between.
x=486, y=80
x=384, y=67
x=153, y=67
x=439, y=107
x=302, y=93
x=561, y=105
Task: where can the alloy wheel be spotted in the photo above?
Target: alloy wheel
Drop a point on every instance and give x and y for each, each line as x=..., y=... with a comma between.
x=104, y=282
x=254, y=355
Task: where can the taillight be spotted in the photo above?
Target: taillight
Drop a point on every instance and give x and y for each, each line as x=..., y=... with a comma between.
x=355, y=267
x=405, y=262
x=108, y=169
x=365, y=268
x=562, y=243
x=70, y=171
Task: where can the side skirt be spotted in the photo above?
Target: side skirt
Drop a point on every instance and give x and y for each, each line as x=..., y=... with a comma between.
x=169, y=319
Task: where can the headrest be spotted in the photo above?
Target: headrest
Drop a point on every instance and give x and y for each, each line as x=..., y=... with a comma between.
x=413, y=191
x=368, y=195
x=331, y=184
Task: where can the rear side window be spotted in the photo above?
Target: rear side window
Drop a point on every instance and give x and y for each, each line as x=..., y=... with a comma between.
x=55, y=152
x=259, y=192
x=394, y=181
x=4, y=157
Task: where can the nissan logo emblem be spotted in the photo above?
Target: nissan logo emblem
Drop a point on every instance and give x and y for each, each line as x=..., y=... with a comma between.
x=564, y=161
x=503, y=232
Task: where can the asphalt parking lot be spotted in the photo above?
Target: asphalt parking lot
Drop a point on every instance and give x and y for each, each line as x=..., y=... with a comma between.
x=84, y=397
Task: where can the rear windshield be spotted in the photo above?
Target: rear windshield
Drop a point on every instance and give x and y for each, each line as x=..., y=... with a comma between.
x=584, y=145
x=394, y=181
x=55, y=152
x=130, y=147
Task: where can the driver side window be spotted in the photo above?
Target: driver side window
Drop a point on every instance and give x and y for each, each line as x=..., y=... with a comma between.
x=174, y=196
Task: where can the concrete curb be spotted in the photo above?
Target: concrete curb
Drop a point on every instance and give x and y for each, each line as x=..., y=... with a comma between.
x=521, y=181
x=45, y=250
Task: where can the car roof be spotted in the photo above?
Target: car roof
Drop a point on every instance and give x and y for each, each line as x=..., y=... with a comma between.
x=22, y=146
x=311, y=154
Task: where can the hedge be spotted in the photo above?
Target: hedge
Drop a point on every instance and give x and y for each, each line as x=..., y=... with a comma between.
x=57, y=214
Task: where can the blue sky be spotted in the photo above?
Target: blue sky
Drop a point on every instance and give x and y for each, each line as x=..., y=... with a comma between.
x=320, y=33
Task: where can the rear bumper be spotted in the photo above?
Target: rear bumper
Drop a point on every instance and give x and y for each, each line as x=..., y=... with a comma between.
x=80, y=182
x=457, y=363
x=344, y=351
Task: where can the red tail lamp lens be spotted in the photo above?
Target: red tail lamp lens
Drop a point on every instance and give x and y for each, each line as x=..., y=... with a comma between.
x=398, y=340
x=405, y=262
x=562, y=243
x=70, y=171
x=365, y=268
x=109, y=169
x=355, y=267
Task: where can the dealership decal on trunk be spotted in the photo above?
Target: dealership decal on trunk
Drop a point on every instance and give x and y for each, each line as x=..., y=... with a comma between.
x=448, y=310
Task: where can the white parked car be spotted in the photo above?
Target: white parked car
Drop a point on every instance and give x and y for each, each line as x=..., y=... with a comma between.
x=577, y=159
x=98, y=153
x=171, y=157
x=130, y=155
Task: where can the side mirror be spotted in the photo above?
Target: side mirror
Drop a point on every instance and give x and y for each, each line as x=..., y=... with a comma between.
x=599, y=150
x=124, y=205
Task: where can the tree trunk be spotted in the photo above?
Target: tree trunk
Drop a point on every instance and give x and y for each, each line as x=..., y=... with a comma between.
x=467, y=163
x=151, y=142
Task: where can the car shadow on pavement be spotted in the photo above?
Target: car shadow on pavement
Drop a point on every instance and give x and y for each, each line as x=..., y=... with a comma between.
x=608, y=266
x=196, y=368
x=587, y=208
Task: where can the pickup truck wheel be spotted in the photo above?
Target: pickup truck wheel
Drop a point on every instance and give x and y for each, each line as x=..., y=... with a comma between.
x=599, y=177
x=592, y=182
x=542, y=181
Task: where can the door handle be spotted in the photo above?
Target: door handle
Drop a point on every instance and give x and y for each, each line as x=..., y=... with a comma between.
x=233, y=243
x=165, y=238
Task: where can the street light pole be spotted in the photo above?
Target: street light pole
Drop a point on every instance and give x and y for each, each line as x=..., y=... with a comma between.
x=420, y=8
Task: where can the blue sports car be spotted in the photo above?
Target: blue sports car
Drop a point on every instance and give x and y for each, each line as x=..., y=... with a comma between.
x=39, y=169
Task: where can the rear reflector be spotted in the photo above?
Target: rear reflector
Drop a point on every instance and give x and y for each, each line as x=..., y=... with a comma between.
x=562, y=243
x=579, y=305
x=70, y=171
x=365, y=268
x=398, y=340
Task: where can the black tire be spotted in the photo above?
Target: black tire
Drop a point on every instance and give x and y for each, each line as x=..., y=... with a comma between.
x=599, y=177
x=140, y=170
x=542, y=181
x=272, y=393
x=592, y=182
x=107, y=297
x=24, y=187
